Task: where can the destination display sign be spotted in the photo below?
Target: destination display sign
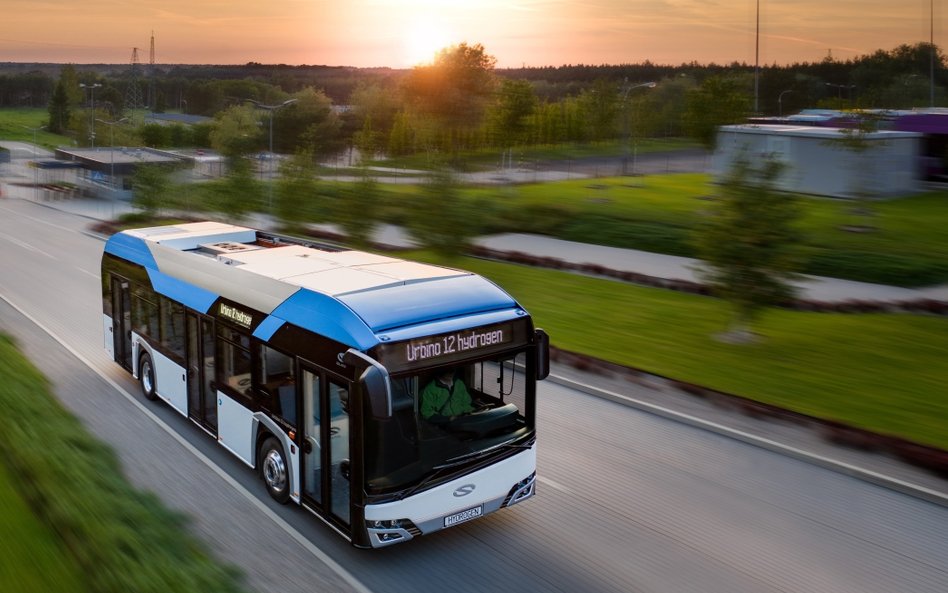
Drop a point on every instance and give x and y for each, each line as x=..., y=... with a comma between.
x=461, y=344
x=462, y=341
x=241, y=318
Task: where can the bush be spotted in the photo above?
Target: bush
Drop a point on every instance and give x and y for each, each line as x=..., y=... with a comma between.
x=878, y=268
x=125, y=540
x=630, y=234
x=542, y=219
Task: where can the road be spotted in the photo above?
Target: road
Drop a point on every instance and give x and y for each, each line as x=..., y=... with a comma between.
x=627, y=502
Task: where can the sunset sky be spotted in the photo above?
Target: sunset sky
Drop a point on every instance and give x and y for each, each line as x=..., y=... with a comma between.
x=402, y=33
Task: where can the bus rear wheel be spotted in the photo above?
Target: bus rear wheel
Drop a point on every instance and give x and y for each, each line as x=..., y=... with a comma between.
x=273, y=469
x=146, y=374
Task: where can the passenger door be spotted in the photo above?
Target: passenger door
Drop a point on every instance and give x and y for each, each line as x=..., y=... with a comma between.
x=202, y=398
x=326, y=444
x=122, y=322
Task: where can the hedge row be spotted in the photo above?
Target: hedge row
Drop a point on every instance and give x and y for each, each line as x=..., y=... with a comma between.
x=862, y=266
x=921, y=305
x=879, y=268
x=125, y=540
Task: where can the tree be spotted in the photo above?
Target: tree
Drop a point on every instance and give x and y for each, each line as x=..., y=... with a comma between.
x=59, y=111
x=510, y=114
x=455, y=89
x=600, y=106
x=237, y=132
x=440, y=220
x=748, y=244
x=66, y=96
x=155, y=135
x=296, y=186
x=309, y=124
x=358, y=211
x=239, y=193
x=377, y=103
x=720, y=100
x=150, y=184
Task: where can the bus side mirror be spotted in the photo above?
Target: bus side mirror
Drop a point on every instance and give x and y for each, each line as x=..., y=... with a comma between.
x=374, y=384
x=543, y=354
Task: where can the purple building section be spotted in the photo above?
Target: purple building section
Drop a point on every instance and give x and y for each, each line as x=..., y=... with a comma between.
x=925, y=123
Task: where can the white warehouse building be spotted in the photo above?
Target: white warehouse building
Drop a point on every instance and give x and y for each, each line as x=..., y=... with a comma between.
x=816, y=163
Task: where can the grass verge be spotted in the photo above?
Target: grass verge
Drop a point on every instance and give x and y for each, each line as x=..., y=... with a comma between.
x=32, y=559
x=122, y=540
x=880, y=372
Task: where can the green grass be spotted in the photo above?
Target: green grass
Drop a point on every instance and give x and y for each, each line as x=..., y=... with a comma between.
x=882, y=372
x=31, y=556
x=14, y=124
x=69, y=484
x=484, y=160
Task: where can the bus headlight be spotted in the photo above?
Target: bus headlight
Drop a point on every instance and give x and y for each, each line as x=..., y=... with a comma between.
x=522, y=490
x=383, y=533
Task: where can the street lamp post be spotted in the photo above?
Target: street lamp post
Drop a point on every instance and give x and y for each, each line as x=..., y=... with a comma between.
x=271, y=109
x=111, y=125
x=35, y=168
x=92, y=88
x=780, y=101
x=628, y=127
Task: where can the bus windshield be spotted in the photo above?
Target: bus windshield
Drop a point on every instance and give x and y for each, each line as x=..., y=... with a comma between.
x=447, y=417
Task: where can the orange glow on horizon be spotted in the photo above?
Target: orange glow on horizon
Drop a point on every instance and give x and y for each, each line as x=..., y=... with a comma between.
x=402, y=33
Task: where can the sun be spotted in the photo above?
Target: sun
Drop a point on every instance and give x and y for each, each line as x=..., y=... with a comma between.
x=424, y=38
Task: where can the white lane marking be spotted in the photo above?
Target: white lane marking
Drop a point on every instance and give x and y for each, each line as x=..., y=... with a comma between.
x=296, y=535
x=94, y=275
x=40, y=220
x=554, y=485
x=27, y=246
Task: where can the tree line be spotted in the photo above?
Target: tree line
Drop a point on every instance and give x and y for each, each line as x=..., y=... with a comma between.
x=461, y=101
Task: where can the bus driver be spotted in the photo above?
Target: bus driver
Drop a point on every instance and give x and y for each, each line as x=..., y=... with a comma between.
x=445, y=397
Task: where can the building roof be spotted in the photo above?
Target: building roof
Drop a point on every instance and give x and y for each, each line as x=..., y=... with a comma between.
x=811, y=132
x=176, y=118
x=122, y=160
x=358, y=298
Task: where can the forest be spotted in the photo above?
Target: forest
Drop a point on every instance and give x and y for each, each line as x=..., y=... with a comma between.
x=462, y=102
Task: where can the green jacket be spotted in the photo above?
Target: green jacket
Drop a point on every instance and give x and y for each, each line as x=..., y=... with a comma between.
x=439, y=400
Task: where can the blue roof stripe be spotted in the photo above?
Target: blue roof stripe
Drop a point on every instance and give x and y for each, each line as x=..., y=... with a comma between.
x=190, y=295
x=325, y=315
x=269, y=327
x=131, y=248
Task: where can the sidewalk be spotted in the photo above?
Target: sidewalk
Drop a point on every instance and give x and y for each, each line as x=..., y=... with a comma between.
x=809, y=441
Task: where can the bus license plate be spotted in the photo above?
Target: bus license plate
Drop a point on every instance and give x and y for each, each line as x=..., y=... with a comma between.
x=463, y=516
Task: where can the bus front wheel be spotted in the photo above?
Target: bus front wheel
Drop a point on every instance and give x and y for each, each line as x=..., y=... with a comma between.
x=146, y=373
x=274, y=470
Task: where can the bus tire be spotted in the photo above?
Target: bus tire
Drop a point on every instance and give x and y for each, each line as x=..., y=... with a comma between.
x=274, y=470
x=146, y=374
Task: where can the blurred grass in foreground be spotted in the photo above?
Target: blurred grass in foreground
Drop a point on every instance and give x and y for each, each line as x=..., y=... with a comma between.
x=121, y=539
x=32, y=559
x=881, y=372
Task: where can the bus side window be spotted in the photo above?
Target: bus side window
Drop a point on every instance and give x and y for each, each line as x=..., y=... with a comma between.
x=233, y=354
x=277, y=383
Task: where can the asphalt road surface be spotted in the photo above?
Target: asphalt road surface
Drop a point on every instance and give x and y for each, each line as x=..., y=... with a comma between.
x=627, y=502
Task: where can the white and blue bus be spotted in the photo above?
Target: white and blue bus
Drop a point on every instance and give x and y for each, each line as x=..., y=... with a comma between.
x=314, y=365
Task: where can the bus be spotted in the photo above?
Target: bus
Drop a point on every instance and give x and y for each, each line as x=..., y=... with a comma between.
x=389, y=398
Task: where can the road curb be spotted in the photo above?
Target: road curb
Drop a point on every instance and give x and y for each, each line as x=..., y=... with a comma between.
x=866, y=475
